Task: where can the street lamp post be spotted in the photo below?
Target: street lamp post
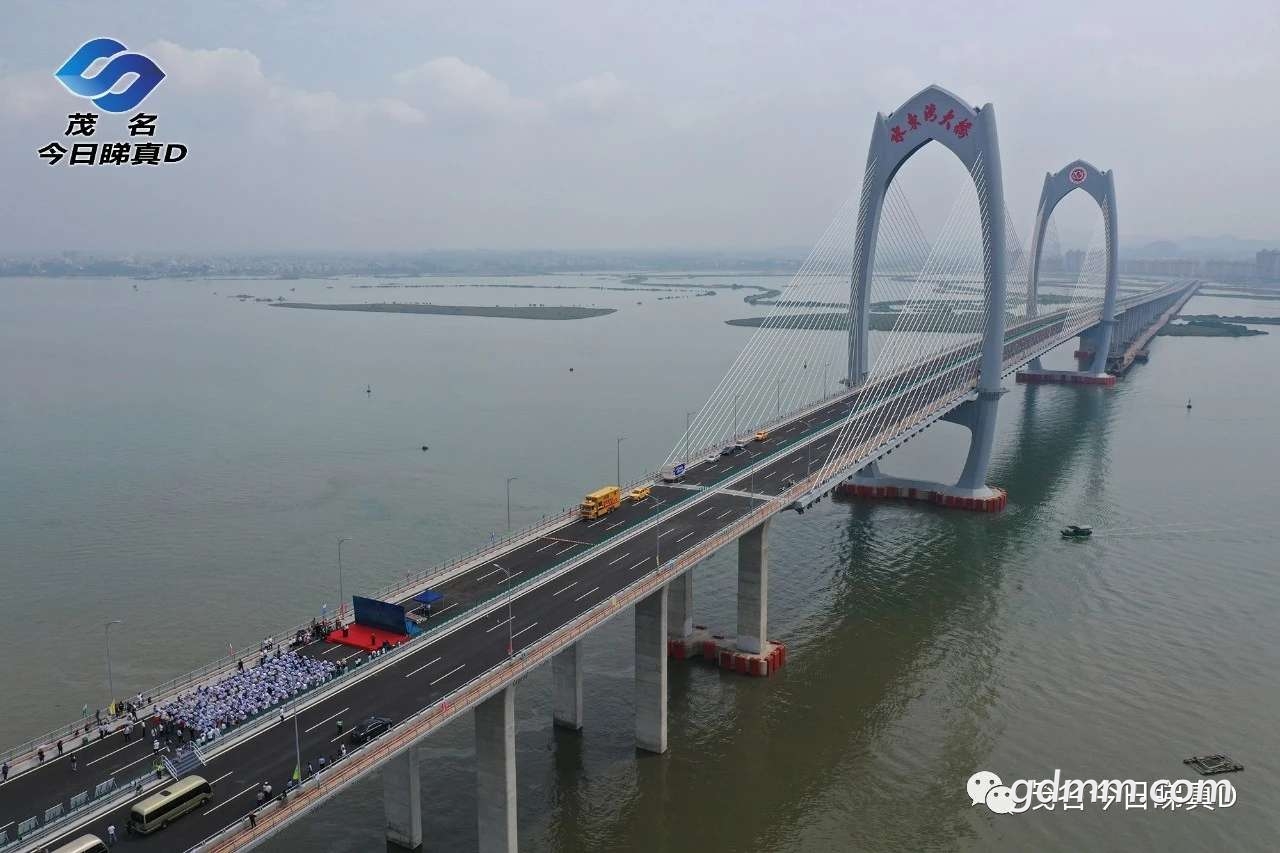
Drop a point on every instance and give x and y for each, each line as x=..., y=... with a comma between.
x=510, y=480
x=111, y=688
x=621, y=439
x=778, y=402
x=735, y=418
x=342, y=603
x=825, y=386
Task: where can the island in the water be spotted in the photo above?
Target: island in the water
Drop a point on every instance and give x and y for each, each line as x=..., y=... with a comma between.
x=530, y=312
x=1205, y=328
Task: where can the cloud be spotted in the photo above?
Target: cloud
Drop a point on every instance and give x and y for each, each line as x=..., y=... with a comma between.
x=455, y=88
x=236, y=77
x=593, y=96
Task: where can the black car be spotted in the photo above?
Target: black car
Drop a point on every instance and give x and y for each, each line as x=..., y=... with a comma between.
x=369, y=729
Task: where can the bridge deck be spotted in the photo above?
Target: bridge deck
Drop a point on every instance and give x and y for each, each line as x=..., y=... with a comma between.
x=629, y=544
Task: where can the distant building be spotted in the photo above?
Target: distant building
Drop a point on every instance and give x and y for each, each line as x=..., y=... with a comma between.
x=1073, y=261
x=1267, y=265
x=1224, y=270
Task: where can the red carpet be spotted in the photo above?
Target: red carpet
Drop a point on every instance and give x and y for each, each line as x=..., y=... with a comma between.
x=366, y=638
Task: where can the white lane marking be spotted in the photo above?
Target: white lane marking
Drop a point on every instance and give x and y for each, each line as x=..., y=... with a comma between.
x=566, y=550
x=447, y=674
x=229, y=799
x=350, y=656
x=665, y=532
x=684, y=537
x=332, y=648
x=219, y=779
x=724, y=514
x=438, y=612
x=522, y=630
x=325, y=720
x=494, y=572
x=550, y=544
x=585, y=594
x=570, y=586
x=770, y=474
x=638, y=565
x=111, y=753
x=705, y=511
x=597, y=521
x=421, y=668
x=620, y=559
x=796, y=458
x=494, y=628
x=619, y=524
x=130, y=764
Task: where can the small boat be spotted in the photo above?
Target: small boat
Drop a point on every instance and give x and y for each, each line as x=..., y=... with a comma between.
x=1188, y=402
x=1077, y=531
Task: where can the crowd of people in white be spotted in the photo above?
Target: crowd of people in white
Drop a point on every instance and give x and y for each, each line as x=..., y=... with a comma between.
x=208, y=711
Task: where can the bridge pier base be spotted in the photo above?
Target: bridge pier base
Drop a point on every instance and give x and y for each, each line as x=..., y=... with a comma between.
x=651, y=672
x=753, y=589
x=566, y=676
x=402, y=802
x=970, y=492
x=496, y=772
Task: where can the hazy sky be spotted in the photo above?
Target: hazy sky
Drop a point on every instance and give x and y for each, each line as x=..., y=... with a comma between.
x=372, y=125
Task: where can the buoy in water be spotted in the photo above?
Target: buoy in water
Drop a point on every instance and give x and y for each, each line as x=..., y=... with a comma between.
x=424, y=447
x=368, y=389
x=1188, y=402
x=571, y=370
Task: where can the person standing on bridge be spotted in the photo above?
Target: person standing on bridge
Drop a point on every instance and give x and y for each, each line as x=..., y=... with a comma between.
x=111, y=835
x=4, y=772
x=74, y=766
x=339, y=727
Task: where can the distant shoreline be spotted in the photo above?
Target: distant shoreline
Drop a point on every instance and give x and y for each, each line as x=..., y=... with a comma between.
x=514, y=312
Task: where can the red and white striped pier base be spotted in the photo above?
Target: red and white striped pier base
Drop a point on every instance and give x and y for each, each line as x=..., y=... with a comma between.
x=723, y=652
x=1065, y=377
x=882, y=488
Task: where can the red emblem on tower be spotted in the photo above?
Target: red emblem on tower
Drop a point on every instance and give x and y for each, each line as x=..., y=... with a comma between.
x=1078, y=174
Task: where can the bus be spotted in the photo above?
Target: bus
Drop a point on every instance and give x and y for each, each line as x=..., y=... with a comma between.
x=157, y=810
x=88, y=843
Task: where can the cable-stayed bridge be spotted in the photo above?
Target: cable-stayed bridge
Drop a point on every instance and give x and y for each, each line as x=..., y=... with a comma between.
x=916, y=329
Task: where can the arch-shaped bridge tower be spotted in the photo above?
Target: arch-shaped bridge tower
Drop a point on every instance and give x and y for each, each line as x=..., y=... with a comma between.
x=1101, y=186
x=936, y=115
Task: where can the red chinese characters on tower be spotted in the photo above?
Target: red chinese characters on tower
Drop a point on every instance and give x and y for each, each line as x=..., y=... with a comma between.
x=961, y=129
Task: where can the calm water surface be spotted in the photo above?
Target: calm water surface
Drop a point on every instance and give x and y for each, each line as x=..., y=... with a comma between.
x=185, y=462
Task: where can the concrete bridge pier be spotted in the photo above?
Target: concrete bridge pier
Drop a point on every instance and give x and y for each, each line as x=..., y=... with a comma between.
x=566, y=677
x=496, y=772
x=651, y=672
x=680, y=607
x=402, y=802
x=753, y=590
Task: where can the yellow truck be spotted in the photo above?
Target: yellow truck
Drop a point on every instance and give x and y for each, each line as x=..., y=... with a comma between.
x=639, y=493
x=601, y=502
